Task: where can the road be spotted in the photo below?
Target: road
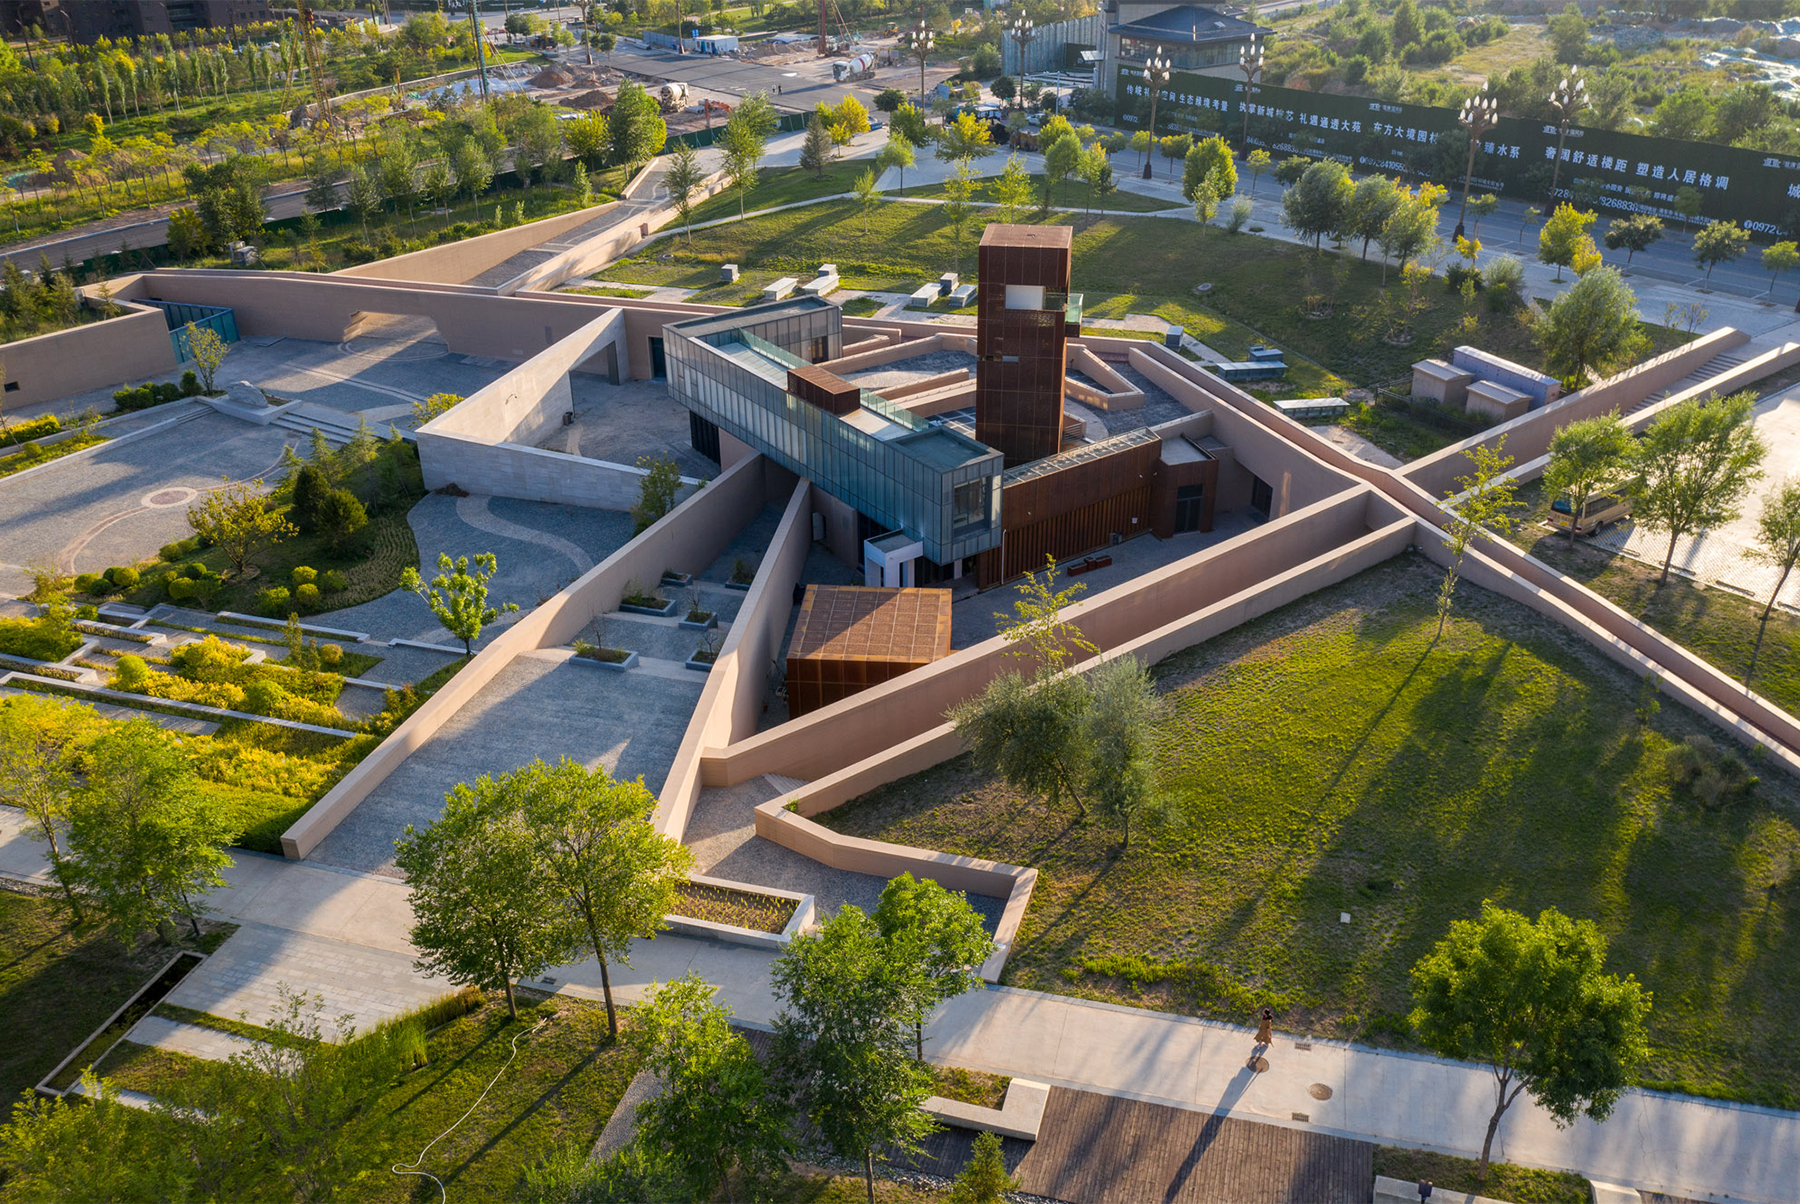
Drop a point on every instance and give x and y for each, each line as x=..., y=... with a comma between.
x=801, y=86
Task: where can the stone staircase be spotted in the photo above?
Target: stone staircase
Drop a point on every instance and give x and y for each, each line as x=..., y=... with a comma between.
x=1718, y=365
x=337, y=426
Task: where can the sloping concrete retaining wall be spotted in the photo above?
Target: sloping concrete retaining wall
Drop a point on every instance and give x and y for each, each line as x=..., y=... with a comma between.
x=134, y=346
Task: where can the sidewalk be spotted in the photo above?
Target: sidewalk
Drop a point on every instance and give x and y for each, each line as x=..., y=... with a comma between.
x=345, y=935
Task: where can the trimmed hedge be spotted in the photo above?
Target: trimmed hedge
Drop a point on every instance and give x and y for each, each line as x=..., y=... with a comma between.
x=35, y=428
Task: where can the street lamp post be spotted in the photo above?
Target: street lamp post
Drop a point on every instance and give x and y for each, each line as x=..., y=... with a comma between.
x=1569, y=99
x=921, y=38
x=1156, y=72
x=1479, y=115
x=1250, y=62
x=1023, y=31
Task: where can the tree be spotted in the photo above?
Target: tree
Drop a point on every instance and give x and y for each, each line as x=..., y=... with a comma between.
x=683, y=178
x=1482, y=500
x=909, y=122
x=715, y=1114
x=1208, y=161
x=1593, y=325
x=1372, y=203
x=484, y=910
x=1777, y=544
x=889, y=100
x=818, y=150
x=958, y=188
x=207, y=350
x=143, y=845
x=1687, y=203
x=936, y=940
x=340, y=516
x=1719, y=242
x=1562, y=235
x=473, y=170
x=746, y=140
x=1744, y=110
x=187, y=234
x=91, y=1147
x=897, y=155
x=1409, y=27
x=1062, y=158
x=424, y=411
x=1569, y=34
x=363, y=196
x=1411, y=229
x=656, y=491
x=1290, y=169
x=847, y=119
x=1481, y=207
x=1013, y=189
x=237, y=520
x=1097, y=169
x=1778, y=258
x=39, y=739
x=1532, y=1002
x=964, y=139
x=635, y=129
x=1586, y=457
x=1319, y=203
x=1633, y=234
x=458, y=597
x=838, y=1040
x=1206, y=205
x=1258, y=162
x=983, y=1179
x=1694, y=465
x=595, y=842
x=1683, y=114
x=1119, y=734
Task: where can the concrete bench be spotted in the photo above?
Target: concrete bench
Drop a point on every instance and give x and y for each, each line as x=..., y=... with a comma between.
x=946, y=282
x=1261, y=352
x=780, y=289
x=820, y=286
x=962, y=294
x=728, y=273
x=1250, y=370
x=923, y=296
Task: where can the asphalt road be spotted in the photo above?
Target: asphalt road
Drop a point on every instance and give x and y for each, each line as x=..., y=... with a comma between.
x=800, y=88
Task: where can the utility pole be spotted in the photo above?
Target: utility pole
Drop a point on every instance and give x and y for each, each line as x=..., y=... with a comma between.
x=1250, y=62
x=1478, y=116
x=480, y=49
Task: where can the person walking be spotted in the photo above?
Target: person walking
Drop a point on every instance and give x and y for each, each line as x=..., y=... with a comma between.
x=1265, y=1035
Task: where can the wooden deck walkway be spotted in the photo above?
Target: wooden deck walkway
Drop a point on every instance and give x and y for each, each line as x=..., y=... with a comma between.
x=1099, y=1149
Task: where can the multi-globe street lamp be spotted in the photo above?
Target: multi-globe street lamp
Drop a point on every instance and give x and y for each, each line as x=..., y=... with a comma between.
x=1250, y=62
x=920, y=37
x=1569, y=99
x=1156, y=73
x=1479, y=115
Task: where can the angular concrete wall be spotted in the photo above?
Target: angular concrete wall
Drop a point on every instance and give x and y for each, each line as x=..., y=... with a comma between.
x=460, y=262
x=686, y=538
x=130, y=348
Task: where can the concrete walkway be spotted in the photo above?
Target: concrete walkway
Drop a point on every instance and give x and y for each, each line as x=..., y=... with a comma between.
x=344, y=935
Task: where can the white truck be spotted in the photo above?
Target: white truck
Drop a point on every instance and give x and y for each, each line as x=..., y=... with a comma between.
x=860, y=67
x=673, y=96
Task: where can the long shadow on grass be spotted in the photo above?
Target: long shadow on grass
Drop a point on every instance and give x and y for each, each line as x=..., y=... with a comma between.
x=522, y=1114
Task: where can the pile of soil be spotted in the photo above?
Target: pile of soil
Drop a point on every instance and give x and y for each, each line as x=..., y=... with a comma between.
x=590, y=100
x=549, y=77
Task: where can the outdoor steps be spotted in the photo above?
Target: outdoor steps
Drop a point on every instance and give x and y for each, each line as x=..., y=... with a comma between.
x=337, y=426
x=1718, y=365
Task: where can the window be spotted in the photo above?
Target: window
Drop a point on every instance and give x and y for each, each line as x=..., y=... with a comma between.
x=969, y=505
x=1024, y=296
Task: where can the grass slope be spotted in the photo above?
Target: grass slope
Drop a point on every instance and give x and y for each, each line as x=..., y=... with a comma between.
x=1327, y=758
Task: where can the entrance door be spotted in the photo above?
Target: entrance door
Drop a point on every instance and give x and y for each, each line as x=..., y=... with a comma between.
x=1261, y=496
x=1189, y=502
x=659, y=365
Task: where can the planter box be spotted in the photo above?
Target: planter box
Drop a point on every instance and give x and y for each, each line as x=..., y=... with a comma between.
x=740, y=587
x=630, y=662
x=667, y=610
x=678, y=580
x=194, y=959
x=711, y=622
x=700, y=666
x=805, y=911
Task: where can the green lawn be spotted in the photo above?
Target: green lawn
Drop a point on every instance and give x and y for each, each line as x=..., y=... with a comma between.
x=562, y=1088
x=1071, y=195
x=783, y=186
x=1717, y=624
x=1328, y=758
x=1122, y=264
x=57, y=985
x=1448, y=1173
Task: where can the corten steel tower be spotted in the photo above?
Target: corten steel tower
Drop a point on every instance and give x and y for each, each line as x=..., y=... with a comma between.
x=1022, y=320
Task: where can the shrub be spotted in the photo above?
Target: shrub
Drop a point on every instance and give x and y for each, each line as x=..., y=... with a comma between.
x=193, y=571
x=36, y=428
x=1241, y=210
x=304, y=576
x=123, y=577
x=87, y=611
x=307, y=596
x=90, y=583
x=190, y=384
x=1456, y=273
x=333, y=581
x=166, y=392
x=131, y=673
x=273, y=602
x=331, y=655
x=171, y=552
x=264, y=697
x=209, y=659
x=180, y=588
x=1505, y=281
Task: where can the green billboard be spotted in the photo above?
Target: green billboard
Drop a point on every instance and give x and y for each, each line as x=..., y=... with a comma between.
x=1622, y=173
